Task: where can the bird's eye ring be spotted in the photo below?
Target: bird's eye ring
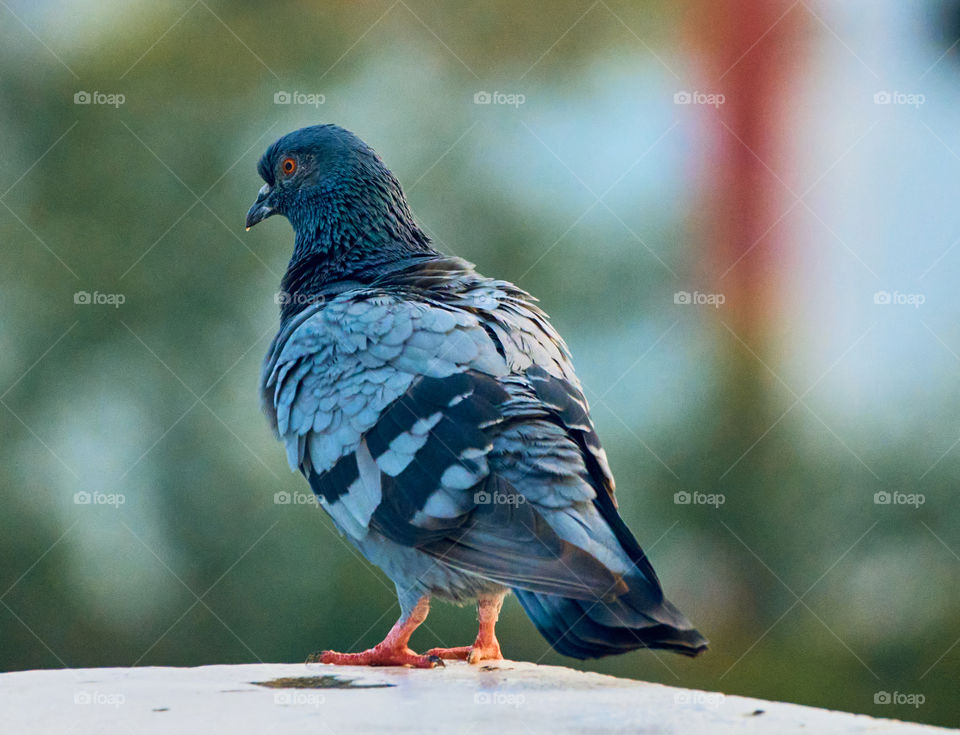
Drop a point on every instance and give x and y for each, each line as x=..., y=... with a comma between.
x=288, y=166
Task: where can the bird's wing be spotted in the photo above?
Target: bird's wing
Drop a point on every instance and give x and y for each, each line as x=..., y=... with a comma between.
x=374, y=384
x=548, y=451
x=534, y=350
x=442, y=428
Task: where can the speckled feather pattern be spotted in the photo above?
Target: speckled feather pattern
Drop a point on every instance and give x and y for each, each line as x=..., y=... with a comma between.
x=437, y=416
x=349, y=359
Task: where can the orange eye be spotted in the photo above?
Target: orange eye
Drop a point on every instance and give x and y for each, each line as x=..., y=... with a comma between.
x=288, y=166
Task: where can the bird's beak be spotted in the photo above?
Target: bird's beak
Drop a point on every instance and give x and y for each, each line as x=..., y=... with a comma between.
x=262, y=208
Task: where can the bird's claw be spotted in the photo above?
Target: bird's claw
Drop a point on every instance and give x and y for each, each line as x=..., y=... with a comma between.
x=471, y=654
x=315, y=657
x=377, y=657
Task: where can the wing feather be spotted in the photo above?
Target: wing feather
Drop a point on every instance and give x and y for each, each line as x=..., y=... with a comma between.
x=408, y=412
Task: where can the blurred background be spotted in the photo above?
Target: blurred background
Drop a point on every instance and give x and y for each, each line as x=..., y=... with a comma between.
x=742, y=216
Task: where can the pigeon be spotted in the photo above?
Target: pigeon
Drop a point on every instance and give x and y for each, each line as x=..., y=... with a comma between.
x=436, y=415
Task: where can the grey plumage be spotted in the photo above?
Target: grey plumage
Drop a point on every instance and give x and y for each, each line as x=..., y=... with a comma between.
x=444, y=430
x=437, y=416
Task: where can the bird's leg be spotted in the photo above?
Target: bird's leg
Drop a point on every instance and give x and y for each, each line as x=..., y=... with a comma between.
x=486, y=647
x=392, y=650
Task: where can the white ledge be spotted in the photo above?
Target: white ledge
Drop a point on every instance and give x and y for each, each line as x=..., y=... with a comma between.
x=506, y=696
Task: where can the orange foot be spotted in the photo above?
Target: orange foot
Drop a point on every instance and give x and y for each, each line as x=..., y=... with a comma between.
x=471, y=654
x=377, y=656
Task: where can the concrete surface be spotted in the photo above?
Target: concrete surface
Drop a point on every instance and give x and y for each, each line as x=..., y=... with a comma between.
x=505, y=697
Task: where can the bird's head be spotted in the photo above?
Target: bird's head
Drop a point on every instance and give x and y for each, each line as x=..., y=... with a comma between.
x=335, y=191
x=302, y=167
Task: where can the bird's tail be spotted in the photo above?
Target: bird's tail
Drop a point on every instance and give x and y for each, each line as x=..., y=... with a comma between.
x=593, y=628
x=636, y=617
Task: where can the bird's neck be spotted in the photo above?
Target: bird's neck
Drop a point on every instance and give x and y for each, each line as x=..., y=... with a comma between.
x=348, y=239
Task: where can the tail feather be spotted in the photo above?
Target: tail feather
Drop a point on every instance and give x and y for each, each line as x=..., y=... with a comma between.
x=640, y=617
x=584, y=629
